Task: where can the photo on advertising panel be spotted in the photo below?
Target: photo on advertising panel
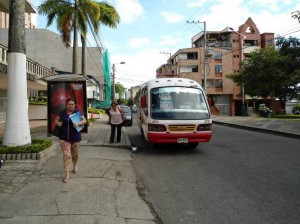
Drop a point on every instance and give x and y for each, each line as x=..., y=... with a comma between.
x=59, y=92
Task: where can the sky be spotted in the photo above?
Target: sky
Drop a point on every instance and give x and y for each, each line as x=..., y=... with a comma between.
x=151, y=30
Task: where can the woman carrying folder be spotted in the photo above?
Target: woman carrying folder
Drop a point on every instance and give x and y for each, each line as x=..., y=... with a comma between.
x=70, y=135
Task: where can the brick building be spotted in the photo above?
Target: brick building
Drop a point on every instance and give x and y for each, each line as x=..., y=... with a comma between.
x=208, y=62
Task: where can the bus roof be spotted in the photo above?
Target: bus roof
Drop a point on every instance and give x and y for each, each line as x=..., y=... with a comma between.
x=171, y=82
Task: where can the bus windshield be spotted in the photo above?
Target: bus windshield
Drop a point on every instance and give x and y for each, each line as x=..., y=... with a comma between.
x=178, y=103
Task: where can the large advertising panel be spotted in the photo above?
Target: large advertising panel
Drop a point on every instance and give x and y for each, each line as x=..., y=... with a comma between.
x=59, y=92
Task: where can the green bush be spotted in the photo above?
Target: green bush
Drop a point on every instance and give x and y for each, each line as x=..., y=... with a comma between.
x=96, y=111
x=296, y=107
x=37, y=145
x=91, y=120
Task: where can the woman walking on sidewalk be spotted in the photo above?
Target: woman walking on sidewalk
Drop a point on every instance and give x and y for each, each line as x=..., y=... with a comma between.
x=116, y=115
x=69, y=136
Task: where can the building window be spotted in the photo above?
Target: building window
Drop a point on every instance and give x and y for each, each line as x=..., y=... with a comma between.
x=218, y=68
x=188, y=69
x=195, y=69
x=270, y=42
x=182, y=56
x=192, y=55
x=218, y=83
x=218, y=55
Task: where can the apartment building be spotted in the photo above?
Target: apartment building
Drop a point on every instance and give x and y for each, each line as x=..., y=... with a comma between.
x=30, y=17
x=208, y=62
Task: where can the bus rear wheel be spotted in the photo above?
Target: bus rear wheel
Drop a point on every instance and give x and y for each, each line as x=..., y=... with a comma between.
x=142, y=133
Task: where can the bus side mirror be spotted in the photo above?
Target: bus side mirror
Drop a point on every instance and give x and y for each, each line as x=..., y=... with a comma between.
x=143, y=101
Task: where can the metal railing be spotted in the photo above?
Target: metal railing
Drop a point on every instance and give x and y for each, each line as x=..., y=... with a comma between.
x=34, y=70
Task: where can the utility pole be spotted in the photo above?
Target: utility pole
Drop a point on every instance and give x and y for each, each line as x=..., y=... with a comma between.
x=114, y=77
x=204, y=54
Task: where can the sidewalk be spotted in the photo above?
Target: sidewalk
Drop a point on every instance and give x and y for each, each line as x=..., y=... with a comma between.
x=284, y=127
x=103, y=191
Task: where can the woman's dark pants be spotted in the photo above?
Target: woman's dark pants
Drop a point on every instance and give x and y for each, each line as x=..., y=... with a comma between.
x=113, y=131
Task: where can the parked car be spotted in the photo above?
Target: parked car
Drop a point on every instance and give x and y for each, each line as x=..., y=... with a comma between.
x=128, y=115
x=296, y=109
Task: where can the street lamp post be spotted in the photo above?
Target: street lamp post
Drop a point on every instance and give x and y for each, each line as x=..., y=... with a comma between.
x=114, y=76
x=204, y=54
x=204, y=68
x=242, y=59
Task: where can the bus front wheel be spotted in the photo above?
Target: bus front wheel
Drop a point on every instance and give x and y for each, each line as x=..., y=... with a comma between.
x=192, y=145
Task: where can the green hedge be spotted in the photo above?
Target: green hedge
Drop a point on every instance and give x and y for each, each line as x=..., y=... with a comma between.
x=38, y=103
x=287, y=116
x=37, y=145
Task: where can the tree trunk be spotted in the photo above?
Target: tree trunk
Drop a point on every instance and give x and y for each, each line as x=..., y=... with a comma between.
x=75, y=43
x=17, y=130
x=75, y=48
x=83, y=59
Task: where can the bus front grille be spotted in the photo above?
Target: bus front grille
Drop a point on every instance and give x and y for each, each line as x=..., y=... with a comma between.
x=182, y=128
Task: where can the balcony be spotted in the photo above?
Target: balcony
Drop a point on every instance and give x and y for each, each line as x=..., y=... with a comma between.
x=34, y=71
x=249, y=49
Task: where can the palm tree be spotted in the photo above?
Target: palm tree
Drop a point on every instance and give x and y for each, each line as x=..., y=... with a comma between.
x=17, y=130
x=108, y=16
x=73, y=17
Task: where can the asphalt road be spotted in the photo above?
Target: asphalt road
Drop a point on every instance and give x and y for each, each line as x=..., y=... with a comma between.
x=240, y=176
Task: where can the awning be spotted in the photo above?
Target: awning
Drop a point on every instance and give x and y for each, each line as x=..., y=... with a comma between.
x=4, y=7
x=68, y=76
x=65, y=77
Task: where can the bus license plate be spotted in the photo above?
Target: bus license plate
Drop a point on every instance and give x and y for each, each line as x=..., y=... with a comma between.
x=182, y=140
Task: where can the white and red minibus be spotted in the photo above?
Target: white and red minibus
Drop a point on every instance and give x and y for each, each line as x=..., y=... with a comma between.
x=174, y=110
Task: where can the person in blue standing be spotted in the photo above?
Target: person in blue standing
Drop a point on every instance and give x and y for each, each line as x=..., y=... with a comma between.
x=69, y=137
x=116, y=117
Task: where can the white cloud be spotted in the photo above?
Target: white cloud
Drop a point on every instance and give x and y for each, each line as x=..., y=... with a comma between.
x=171, y=17
x=129, y=10
x=261, y=14
x=138, y=42
x=139, y=67
x=169, y=40
x=271, y=5
x=193, y=4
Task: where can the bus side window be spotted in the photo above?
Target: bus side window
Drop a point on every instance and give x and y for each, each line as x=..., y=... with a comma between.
x=143, y=101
